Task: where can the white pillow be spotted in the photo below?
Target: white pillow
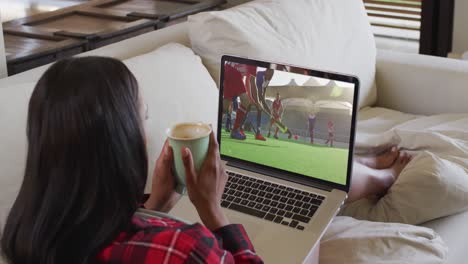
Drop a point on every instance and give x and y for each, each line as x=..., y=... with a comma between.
x=14, y=100
x=331, y=35
x=431, y=186
x=348, y=240
x=177, y=88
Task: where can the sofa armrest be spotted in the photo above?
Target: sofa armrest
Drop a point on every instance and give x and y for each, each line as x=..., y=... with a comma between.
x=421, y=84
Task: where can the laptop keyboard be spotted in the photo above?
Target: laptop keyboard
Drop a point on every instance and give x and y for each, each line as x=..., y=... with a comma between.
x=273, y=202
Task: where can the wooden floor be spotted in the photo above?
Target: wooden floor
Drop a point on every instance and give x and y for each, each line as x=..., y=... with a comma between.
x=13, y=9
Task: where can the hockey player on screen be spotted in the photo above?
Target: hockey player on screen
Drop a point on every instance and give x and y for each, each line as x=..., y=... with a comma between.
x=234, y=87
x=251, y=93
x=331, y=133
x=277, y=113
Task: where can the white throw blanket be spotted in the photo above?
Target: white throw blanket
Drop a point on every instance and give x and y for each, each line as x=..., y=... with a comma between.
x=434, y=184
x=441, y=134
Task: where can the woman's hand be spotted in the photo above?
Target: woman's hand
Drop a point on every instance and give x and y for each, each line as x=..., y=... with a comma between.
x=163, y=196
x=206, y=188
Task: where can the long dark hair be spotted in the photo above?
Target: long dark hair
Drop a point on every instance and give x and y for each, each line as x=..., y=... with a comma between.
x=86, y=165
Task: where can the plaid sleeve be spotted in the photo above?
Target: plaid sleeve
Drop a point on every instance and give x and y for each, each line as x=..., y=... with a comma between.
x=161, y=240
x=234, y=239
x=229, y=244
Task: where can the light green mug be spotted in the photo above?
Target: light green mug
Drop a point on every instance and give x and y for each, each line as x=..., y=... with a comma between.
x=196, y=137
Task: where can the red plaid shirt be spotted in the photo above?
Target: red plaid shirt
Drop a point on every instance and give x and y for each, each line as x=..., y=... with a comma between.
x=164, y=240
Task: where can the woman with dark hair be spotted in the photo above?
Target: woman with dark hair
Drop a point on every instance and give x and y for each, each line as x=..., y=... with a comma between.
x=85, y=174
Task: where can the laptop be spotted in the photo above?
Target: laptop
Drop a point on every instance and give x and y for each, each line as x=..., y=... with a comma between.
x=286, y=135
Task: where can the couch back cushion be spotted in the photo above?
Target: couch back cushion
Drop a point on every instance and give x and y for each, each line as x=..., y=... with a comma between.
x=173, y=82
x=332, y=35
x=177, y=88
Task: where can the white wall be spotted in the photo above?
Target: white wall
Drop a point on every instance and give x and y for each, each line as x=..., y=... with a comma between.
x=460, y=28
x=3, y=67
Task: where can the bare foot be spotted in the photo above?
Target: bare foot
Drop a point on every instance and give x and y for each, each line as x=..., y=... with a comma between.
x=382, y=161
x=387, y=177
x=400, y=164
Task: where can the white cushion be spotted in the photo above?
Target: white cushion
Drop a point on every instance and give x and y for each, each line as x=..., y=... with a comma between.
x=352, y=241
x=177, y=88
x=435, y=183
x=331, y=35
x=13, y=115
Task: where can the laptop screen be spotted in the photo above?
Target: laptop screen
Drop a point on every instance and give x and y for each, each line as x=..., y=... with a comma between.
x=287, y=118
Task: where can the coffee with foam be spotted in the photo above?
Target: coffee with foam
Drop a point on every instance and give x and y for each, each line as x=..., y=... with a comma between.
x=188, y=131
x=194, y=136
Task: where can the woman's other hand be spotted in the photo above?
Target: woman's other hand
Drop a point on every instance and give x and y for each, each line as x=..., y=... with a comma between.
x=206, y=187
x=163, y=195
